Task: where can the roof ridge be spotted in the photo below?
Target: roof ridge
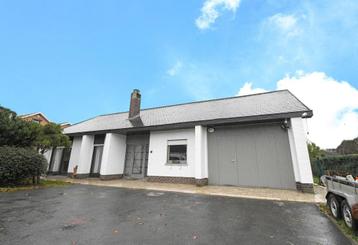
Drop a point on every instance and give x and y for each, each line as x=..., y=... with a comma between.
x=202, y=101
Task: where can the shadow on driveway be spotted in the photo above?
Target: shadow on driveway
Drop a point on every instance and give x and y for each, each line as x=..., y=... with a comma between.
x=83, y=214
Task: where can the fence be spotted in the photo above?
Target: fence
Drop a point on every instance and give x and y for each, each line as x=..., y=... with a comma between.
x=339, y=165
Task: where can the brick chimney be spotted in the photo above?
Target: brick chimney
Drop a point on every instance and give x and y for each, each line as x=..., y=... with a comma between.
x=134, y=108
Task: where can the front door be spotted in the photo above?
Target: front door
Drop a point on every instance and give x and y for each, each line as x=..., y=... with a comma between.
x=66, y=153
x=96, y=160
x=136, y=160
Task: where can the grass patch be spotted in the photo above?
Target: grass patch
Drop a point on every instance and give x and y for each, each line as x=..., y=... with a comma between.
x=324, y=209
x=43, y=184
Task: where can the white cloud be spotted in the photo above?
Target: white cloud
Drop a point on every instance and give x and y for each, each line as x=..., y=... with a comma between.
x=286, y=24
x=247, y=89
x=334, y=104
x=175, y=69
x=210, y=11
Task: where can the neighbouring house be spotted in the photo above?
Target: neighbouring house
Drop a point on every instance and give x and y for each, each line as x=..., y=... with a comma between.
x=40, y=118
x=348, y=147
x=65, y=125
x=255, y=140
x=36, y=117
x=57, y=158
x=330, y=152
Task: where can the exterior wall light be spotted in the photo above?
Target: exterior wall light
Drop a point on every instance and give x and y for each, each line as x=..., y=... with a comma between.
x=211, y=130
x=285, y=125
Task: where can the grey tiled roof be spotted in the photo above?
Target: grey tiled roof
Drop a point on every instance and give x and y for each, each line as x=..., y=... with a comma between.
x=269, y=104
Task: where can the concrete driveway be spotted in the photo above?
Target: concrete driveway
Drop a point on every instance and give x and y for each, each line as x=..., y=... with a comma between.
x=84, y=214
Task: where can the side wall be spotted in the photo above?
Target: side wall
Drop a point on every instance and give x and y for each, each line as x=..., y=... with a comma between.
x=201, y=155
x=75, y=154
x=157, y=161
x=113, y=157
x=57, y=157
x=47, y=155
x=85, y=160
x=299, y=153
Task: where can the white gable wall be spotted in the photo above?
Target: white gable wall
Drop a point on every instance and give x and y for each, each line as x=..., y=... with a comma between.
x=157, y=160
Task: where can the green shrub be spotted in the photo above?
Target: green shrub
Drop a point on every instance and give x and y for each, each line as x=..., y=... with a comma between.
x=340, y=165
x=19, y=164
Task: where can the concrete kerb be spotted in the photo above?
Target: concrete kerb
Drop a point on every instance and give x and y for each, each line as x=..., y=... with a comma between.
x=240, y=192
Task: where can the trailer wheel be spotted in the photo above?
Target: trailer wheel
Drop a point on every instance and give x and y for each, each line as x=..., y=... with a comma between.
x=347, y=216
x=334, y=206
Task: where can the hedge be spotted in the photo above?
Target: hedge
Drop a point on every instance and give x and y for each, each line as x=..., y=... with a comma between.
x=340, y=165
x=19, y=164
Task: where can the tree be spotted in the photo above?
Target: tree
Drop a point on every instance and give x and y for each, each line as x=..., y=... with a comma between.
x=19, y=133
x=16, y=132
x=51, y=136
x=314, y=151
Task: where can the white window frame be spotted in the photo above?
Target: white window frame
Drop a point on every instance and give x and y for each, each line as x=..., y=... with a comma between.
x=177, y=142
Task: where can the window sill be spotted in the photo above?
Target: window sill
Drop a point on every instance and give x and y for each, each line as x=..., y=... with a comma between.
x=176, y=164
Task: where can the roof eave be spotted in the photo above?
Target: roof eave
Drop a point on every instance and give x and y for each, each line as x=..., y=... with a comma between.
x=302, y=114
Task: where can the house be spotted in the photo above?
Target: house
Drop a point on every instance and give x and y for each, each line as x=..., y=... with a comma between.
x=254, y=140
x=348, y=147
x=36, y=117
x=40, y=118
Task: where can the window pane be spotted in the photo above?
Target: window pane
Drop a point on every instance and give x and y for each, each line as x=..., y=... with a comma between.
x=177, y=153
x=99, y=139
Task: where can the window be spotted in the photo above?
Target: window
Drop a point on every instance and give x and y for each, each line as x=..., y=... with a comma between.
x=177, y=151
x=99, y=139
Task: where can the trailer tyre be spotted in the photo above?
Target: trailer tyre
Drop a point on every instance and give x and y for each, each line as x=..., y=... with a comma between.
x=334, y=206
x=347, y=216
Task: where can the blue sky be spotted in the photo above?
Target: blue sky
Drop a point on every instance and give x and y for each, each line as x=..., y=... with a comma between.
x=77, y=59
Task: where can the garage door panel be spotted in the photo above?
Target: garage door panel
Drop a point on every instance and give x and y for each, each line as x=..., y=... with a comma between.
x=227, y=159
x=214, y=159
x=267, y=158
x=246, y=158
x=284, y=161
x=262, y=156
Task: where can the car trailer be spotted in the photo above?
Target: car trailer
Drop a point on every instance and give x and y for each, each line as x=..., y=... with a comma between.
x=342, y=198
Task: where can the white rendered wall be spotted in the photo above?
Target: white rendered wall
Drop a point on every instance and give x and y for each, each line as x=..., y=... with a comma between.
x=201, y=152
x=299, y=152
x=158, y=145
x=86, y=151
x=47, y=156
x=57, y=159
x=75, y=153
x=114, y=153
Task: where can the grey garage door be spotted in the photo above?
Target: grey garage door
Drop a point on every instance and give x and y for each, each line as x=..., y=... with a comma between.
x=250, y=156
